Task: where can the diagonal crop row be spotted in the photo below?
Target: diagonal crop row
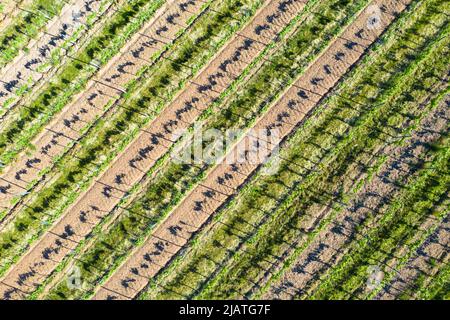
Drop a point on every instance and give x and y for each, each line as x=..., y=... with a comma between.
x=421, y=256
x=284, y=16
x=254, y=209
x=236, y=149
x=42, y=58
x=213, y=21
x=272, y=243
x=359, y=214
x=27, y=224
x=10, y=10
x=422, y=262
x=137, y=279
x=159, y=198
x=196, y=208
x=28, y=120
x=438, y=289
x=391, y=228
x=234, y=229
x=426, y=246
x=371, y=200
x=25, y=26
x=329, y=242
x=101, y=94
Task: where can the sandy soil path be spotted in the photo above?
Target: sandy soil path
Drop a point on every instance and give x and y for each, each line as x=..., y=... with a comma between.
x=152, y=143
x=33, y=65
x=224, y=180
x=434, y=252
x=105, y=88
x=328, y=247
x=427, y=260
x=11, y=10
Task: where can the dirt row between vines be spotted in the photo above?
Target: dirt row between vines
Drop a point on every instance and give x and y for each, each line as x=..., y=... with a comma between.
x=106, y=88
x=433, y=253
x=428, y=259
x=151, y=144
x=328, y=248
x=33, y=65
x=11, y=11
x=116, y=213
x=224, y=180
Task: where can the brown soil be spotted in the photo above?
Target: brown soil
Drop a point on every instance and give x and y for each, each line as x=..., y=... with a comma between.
x=329, y=244
x=11, y=11
x=224, y=180
x=23, y=70
x=427, y=260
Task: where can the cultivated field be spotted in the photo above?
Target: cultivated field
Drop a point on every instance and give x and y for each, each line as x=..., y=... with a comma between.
x=235, y=149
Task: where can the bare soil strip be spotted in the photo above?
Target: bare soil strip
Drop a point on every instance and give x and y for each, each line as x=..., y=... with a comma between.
x=225, y=179
x=328, y=247
x=33, y=65
x=152, y=143
x=10, y=10
x=106, y=88
x=428, y=260
x=433, y=253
